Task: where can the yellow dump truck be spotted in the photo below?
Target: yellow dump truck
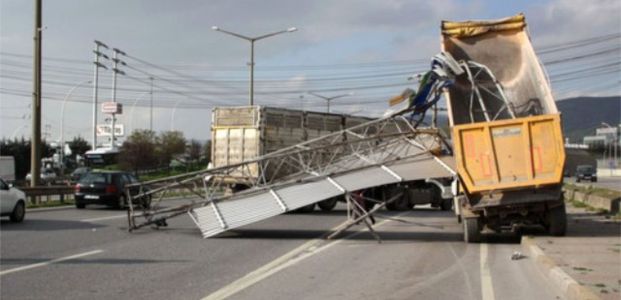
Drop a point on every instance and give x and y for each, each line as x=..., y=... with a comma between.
x=506, y=130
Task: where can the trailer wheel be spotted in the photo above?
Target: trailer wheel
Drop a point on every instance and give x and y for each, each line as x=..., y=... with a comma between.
x=446, y=204
x=472, y=231
x=400, y=204
x=328, y=204
x=557, y=220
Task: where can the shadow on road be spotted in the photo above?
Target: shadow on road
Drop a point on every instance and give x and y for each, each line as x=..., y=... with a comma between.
x=46, y=225
x=278, y=234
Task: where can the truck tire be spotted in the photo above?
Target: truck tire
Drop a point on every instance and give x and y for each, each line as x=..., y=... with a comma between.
x=446, y=204
x=19, y=211
x=401, y=204
x=472, y=231
x=327, y=205
x=557, y=220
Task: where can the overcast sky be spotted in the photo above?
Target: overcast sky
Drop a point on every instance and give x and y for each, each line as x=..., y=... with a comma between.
x=207, y=68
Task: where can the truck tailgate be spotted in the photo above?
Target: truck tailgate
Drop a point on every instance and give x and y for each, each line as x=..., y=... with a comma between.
x=510, y=154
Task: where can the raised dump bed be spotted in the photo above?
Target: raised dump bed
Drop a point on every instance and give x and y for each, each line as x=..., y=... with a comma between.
x=506, y=129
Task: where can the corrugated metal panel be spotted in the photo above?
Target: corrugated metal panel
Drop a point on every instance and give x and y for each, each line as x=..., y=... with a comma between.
x=304, y=194
x=249, y=208
x=362, y=179
x=236, y=213
x=419, y=168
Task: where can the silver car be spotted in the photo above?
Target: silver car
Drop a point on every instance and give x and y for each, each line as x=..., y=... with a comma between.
x=12, y=202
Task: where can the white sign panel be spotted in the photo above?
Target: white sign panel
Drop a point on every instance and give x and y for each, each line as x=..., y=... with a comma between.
x=105, y=130
x=112, y=108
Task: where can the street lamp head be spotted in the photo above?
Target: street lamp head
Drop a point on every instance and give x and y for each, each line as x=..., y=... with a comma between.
x=216, y=28
x=292, y=29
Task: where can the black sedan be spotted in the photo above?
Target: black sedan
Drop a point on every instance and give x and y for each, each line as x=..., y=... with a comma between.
x=108, y=188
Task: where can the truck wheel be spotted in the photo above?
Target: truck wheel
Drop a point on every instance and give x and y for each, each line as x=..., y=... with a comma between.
x=403, y=204
x=557, y=220
x=472, y=233
x=327, y=205
x=446, y=204
x=19, y=211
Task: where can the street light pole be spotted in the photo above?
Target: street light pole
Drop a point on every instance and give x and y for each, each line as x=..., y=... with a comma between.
x=62, y=126
x=150, y=107
x=172, y=115
x=252, y=40
x=131, y=114
x=329, y=99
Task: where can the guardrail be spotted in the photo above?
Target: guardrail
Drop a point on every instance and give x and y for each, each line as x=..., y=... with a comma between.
x=35, y=193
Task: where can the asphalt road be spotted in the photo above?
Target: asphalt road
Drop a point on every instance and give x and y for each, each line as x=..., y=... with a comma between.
x=613, y=183
x=77, y=254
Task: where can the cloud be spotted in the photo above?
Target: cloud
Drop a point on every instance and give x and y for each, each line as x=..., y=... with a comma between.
x=565, y=20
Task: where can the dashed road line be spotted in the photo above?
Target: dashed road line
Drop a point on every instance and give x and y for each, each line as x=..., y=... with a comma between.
x=43, y=264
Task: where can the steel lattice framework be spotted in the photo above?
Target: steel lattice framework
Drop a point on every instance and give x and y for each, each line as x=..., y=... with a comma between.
x=375, y=143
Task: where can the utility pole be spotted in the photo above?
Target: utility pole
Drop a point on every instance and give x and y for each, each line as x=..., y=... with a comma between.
x=95, y=81
x=35, y=139
x=115, y=70
x=151, y=107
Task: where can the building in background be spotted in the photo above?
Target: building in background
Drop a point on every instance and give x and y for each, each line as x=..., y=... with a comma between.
x=606, y=142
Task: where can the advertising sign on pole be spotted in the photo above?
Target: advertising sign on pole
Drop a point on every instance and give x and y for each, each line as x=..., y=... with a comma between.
x=112, y=108
x=105, y=130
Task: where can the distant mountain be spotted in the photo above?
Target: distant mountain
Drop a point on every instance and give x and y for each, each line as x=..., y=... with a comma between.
x=582, y=115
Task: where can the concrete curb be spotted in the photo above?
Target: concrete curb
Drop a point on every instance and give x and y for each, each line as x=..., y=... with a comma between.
x=42, y=209
x=69, y=206
x=569, y=286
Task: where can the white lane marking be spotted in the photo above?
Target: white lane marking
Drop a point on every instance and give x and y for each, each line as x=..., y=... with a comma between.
x=487, y=290
x=289, y=259
x=43, y=264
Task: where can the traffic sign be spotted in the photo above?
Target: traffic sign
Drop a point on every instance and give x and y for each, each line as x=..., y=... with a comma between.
x=112, y=108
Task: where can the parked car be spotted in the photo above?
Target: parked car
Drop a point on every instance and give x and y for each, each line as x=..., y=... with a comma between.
x=586, y=172
x=47, y=176
x=77, y=174
x=108, y=188
x=12, y=202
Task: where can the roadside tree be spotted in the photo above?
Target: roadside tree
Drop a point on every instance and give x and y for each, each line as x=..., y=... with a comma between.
x=138, y=151
x=171, y=143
